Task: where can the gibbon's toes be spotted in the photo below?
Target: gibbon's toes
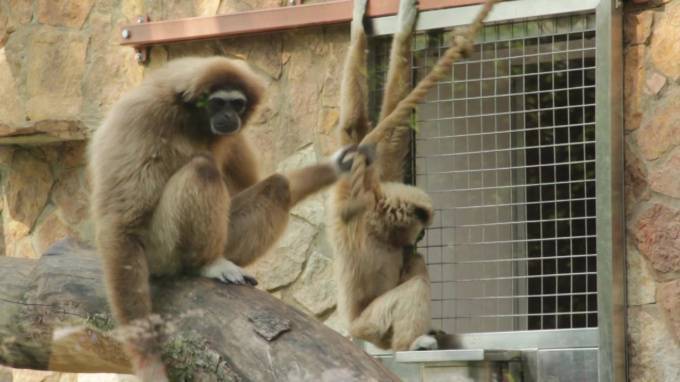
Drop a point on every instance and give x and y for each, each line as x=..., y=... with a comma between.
x=424, y=342
x=227, y=272
x=408, y=10
x=342, y=159
x=369, y=151
x=359, y=9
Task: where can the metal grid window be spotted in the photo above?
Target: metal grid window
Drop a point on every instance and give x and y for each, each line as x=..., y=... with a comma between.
x=506, y=149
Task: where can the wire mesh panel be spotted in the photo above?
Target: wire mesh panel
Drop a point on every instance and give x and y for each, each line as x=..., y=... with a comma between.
x=506, y=149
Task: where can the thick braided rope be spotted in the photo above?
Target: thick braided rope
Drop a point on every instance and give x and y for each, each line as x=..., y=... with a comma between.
x=462, y=44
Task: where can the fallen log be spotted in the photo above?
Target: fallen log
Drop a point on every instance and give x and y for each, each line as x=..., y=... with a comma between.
x=54, y=316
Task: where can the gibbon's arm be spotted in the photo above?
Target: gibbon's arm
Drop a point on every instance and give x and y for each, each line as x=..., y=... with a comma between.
x=394, y=147
x=354, y=122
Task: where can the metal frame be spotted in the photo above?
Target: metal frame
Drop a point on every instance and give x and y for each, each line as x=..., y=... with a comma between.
x=263, y=20
x=609, y=337
x=611, y=266
x=505, y=11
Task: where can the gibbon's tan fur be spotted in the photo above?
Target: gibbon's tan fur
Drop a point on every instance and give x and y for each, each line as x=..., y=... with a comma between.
x=383, y=285
x=169, y=197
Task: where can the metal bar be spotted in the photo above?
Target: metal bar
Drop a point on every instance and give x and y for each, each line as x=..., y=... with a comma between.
x=505, y=11
x=611, y=267
x=263, y=20
x=542, y=339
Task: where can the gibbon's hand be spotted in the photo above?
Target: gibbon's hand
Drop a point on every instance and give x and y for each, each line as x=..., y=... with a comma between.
x=342, y=159
x=369, y=152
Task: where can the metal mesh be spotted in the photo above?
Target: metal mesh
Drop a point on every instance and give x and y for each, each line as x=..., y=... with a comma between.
x=506, y=149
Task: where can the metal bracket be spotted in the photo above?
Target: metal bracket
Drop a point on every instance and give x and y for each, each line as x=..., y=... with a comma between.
x=141, y=52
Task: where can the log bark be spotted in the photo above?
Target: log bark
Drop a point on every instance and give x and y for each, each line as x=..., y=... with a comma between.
x=54, y=316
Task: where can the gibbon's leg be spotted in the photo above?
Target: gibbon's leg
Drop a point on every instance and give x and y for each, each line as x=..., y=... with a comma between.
x=354, y=121
x=188, y=225
x=405, y=310
x=127, y=285
x=259, y=214
x=412, y=311
x=392, y=150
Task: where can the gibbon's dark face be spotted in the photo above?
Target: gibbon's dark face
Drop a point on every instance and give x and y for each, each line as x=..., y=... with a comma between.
x=224, y=110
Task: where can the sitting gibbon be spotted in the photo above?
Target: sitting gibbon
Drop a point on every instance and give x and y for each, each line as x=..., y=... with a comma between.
x=383, y=285
x=176, y=188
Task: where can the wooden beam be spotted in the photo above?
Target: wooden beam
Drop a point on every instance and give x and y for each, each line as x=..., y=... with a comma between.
x=54, y=316
x=264, y=20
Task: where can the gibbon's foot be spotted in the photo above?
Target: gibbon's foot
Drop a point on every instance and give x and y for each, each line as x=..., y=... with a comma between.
x=359, y=10
x=424, y=342
x=343, y=158
x=406, y=19
x=227, y=272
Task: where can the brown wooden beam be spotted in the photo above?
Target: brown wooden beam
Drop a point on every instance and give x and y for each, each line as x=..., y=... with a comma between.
x=264, y=20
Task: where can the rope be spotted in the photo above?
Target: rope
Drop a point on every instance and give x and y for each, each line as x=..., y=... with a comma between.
x=463, y=44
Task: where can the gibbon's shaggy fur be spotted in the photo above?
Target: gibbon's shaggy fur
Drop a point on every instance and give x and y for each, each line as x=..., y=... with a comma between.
x=383, y=285
x=176, y=187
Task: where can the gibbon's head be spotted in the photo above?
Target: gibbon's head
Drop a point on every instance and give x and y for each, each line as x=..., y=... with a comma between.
x=407, y=210
x=221, y=94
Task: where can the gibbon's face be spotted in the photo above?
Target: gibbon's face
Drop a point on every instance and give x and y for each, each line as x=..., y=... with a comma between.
x=224, y=110
x=423, y=218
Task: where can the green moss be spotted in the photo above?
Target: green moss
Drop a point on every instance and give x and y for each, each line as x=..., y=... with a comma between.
x=189, y=358
x=100, y=321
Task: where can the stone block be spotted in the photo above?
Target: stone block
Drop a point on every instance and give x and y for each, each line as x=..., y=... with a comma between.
x=70, y=197
x=653, y=355
x=637, y=26
x=655, y=83
x=55, y=67
x=659, y=131
x=635, y=179
x=63, y=13
x=665, y=178
x=27, y=188
x=640, y=281
x=665, y=44
x=633, y=85
x=48, y=231
x=668, y=296
x=315, y=290
x=657, y=234
x=283, y=264
x=11, y=106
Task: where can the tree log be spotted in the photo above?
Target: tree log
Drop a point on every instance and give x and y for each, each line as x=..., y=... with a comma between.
x=54, y=316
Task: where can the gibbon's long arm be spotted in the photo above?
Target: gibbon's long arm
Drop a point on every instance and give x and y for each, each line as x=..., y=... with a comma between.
x=354, y=122
x=394, y=147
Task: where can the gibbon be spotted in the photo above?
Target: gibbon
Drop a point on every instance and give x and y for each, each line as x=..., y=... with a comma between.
x=383, y=285
x=175, y=188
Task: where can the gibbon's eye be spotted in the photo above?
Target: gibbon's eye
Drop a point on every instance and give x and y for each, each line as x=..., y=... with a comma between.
x=238, y=104
x=422, y=214
x=217, y=103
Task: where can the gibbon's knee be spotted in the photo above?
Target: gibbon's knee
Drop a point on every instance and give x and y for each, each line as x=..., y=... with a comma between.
x=205, y=169
x=276, y=188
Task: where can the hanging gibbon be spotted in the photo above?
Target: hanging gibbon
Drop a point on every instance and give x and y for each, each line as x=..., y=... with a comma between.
x=176, y=188
x=383, y=285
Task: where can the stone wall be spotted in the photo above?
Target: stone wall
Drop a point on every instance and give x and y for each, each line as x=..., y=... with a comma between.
x=652, y=181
